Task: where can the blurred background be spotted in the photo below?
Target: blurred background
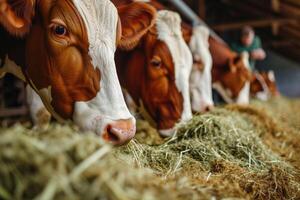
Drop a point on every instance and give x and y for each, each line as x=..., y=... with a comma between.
x=277, y=22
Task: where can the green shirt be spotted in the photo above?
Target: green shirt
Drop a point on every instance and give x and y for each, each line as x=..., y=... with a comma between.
x=239, y=47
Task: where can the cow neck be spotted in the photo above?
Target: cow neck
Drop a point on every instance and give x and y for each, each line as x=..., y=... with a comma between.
x=132, y=77
x=220, y=53
x=218, y=71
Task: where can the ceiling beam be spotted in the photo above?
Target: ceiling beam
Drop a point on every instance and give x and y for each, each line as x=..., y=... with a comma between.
x=253, y=23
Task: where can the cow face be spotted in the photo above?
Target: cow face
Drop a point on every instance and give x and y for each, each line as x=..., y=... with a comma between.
x=169, y=63
x=69, y=58
x=233, y=82
x=165, y=62
x=263, y=85
x=200, y=80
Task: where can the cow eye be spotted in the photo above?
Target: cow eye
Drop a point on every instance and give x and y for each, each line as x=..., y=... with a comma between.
x=156, y=62
x=60, y=30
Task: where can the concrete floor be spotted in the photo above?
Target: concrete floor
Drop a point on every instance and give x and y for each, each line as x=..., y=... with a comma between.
x=287, y=73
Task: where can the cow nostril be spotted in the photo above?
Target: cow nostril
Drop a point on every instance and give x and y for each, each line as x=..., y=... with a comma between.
x=208, y=108
x=112, y=135
x=119, y=132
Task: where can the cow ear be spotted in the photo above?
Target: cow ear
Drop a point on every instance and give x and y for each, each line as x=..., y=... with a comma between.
x=16, y=16
x=136, y=19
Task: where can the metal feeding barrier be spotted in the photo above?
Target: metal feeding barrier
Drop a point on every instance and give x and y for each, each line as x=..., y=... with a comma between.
x=190, y=15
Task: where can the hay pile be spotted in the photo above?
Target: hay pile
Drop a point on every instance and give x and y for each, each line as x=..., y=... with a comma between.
x=232, y=152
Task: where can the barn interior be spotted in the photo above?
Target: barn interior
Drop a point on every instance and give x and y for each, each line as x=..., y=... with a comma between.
x=275, y=21
x=231, y=152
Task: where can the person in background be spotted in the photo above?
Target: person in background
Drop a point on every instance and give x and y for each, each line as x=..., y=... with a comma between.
x=252, y=44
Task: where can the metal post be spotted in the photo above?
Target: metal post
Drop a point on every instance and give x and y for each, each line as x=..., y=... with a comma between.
x=188, y=13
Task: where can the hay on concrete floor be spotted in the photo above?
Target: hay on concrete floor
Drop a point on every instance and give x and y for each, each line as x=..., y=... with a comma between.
x=227, y=137
x=223, y=154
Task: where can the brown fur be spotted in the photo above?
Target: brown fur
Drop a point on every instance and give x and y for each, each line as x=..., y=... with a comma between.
x=228, y=68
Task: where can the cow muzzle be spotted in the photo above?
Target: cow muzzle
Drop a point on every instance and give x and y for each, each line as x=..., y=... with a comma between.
x=119, y=132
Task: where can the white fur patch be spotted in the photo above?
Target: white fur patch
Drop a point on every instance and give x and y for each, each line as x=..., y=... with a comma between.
x=244, y=95
x=245, y=58
x=271, y=76
x=167, y=132
x=201, y=81
x=168, y=26
x=100, y=18
x=35, y=103
x=265, y=94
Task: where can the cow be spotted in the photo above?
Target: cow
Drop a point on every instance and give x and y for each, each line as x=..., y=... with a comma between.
x=156, y=73
x=263, y=85
x=65, y=51
x=200, y=79
x=231, y=74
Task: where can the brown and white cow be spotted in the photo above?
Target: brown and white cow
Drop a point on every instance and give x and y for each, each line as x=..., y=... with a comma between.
x=156, y=73
x=200, y=79
x=65, y=51
x=263, y=85
x=230, y=73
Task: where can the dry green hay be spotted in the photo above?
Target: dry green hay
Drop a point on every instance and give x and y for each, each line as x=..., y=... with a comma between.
x=230, y=153
x=276, y=122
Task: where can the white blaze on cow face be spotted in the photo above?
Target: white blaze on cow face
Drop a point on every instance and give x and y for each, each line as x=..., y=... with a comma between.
x=101, y=18
x=201, y=81
x=168, y=26
x=271, y=76
x=244, y=95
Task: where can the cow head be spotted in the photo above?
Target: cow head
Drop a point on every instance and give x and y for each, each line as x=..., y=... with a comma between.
x=263, y=85
x=233, y=81
x=164, y=62
x=200, y=80
x=69, y=58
